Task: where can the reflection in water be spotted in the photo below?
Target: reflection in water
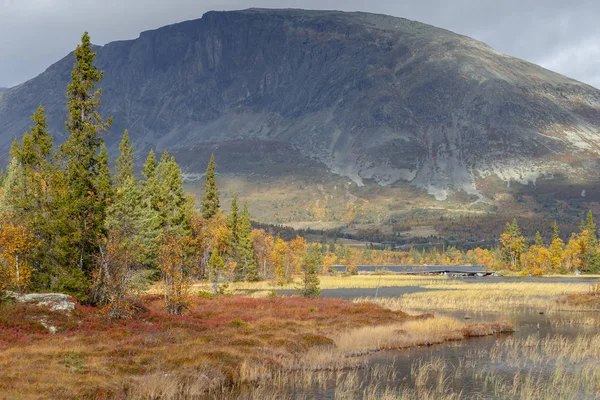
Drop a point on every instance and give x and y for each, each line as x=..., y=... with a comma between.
x=553, y=355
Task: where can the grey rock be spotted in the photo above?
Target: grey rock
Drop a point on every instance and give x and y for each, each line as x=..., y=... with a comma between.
x=54, y=301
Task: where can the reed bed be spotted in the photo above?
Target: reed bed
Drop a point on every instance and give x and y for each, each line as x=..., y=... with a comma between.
x=534, y=368
x=488, y=297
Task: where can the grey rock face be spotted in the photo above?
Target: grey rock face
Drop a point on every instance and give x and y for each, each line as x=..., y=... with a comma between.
x=366, y=96
x=53, y=301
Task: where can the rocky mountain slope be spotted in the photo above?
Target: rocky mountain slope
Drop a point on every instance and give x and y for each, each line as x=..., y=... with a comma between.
x=380, y=100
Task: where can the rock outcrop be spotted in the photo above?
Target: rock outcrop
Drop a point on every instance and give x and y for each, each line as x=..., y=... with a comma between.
x=52, y=301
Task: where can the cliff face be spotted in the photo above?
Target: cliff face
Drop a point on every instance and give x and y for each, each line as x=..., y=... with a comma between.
x=365, y=96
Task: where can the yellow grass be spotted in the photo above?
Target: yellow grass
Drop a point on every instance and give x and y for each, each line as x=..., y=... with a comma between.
x=411, y=334
x=487, y=296
x=343, y=282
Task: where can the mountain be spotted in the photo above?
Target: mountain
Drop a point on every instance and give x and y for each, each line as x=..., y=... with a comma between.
x=360, y=106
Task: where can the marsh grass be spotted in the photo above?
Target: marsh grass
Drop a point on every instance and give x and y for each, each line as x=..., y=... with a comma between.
x=343, y=282
x=222, y=345
x=535, y=368
x=489, y=297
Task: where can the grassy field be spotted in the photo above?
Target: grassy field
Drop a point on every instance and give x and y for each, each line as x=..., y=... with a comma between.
x=342, y=282
x=221, y=345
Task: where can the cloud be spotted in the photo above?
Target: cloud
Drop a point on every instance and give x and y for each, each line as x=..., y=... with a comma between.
x=558, y=35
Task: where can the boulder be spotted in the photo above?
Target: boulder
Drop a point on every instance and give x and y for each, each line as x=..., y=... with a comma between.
x=54, y=301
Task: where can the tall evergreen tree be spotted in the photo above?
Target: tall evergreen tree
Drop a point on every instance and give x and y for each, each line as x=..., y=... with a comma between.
x=174, y=208
x=30, y=194
x=150, y=185
x=309, y=286
x=84, y=203
x=555, y=231
x=246, y=256
x=232, y=221
x=210, y=201
x=125, y=161
x=591, y=226
x=538, y=239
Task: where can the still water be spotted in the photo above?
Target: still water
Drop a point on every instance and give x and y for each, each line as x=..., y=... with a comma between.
x=551, y=355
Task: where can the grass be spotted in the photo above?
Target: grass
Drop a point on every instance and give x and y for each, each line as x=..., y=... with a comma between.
x=342, y=282
x=413, y=333
x=223, y=344
x=488, y=297
x=554, y=367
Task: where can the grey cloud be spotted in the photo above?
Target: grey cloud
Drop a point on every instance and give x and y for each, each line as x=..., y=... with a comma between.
x=558, y=35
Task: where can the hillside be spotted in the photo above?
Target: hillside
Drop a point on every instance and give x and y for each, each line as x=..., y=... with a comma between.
x=343, y=117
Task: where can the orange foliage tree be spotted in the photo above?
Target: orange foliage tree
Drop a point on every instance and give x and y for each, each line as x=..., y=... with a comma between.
x=177, y=259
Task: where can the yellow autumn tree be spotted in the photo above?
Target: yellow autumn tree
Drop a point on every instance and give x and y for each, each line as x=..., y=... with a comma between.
x=556, y=252
x=297, y=250
x=537, y=260
x=176, y=263
x=16, y=245
x=572, y=254
x=262, y=243
x=279, y=258
x=329, y=261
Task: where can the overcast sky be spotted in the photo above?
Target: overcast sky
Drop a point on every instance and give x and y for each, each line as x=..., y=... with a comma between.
x=557, y=34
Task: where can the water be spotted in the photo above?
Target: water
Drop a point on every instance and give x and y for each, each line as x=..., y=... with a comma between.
x=549, y=356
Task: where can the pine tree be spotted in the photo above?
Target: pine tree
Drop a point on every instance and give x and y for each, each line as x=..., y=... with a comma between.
x=85, y=202
x=210, y=201
x=150, y=205
x=246, y=256
x=103, y=183
x=174, y=208
x=232, y=221
x=591, y=226
x=310, y=267
x=125, y=161
x=591, y=257
x=555, y=231
x=539, y=242
x=31, y=189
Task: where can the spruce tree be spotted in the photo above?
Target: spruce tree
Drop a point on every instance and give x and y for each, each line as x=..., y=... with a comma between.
x=210, y=201
x=85, y=202
x=555, y=231
x=149, y=185
x=128, y=215
x=310, y=267
x=174, y=209
x=591, y=226
x=30, y=195
x=246, y=256
x=125, y=162
x=150, y=206
x=538, y=239
x=232, y=221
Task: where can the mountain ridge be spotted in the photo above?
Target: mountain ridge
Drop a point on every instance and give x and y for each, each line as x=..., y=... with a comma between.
x=365, y=96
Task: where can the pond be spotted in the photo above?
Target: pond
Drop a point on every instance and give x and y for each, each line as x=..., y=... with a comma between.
x=551, y=355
